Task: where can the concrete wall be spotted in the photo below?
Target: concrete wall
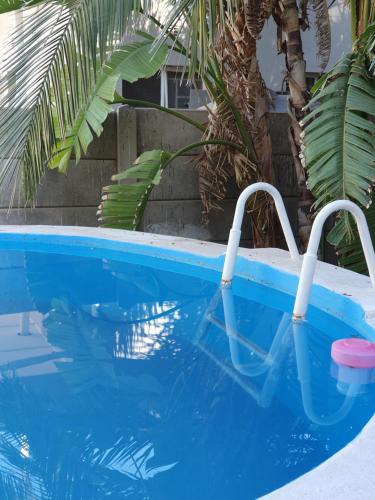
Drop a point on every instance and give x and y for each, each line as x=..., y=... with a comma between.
x=174, y=207
x=70, y=199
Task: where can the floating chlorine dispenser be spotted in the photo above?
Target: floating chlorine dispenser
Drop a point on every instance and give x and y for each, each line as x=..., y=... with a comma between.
x=354, y=352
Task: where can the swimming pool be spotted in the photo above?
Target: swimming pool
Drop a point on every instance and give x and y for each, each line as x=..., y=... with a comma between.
x=126, y=372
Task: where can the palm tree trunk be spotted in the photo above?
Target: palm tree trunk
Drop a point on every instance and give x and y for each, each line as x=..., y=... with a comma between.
x=287, y=18
x=235, y=51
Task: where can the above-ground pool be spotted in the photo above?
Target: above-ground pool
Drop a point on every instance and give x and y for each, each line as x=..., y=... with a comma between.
x=126, y=372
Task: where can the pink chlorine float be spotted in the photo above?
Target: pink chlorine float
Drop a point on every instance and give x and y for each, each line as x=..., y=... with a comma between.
x=354, y=353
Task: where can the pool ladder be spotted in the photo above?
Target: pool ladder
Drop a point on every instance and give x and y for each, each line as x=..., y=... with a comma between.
x=311, y=256
x=247, y=359
x=243, y=352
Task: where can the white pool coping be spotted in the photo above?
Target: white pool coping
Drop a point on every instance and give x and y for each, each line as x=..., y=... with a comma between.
x=350, y=473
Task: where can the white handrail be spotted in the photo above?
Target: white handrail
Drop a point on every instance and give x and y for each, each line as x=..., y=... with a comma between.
x=310, y=258
x=240, y=346
x=235, y=232
x=236, y=346
x=303, y=361
x=271, y=362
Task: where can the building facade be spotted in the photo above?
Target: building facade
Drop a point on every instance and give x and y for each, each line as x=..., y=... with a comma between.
x=171, y=89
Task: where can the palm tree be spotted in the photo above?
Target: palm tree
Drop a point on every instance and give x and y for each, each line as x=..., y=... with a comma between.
x=290, y=21
x=233, y=46
x=339, y=135
x=63, y=64
x=61, y=71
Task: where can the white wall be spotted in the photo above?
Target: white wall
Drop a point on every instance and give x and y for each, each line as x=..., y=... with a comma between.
x=272, y=65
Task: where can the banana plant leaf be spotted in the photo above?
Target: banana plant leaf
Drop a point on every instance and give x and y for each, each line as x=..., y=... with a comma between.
x=339, y=139
x=54, y=60
x=131, y=62
x=122, y=205
x=351, y=255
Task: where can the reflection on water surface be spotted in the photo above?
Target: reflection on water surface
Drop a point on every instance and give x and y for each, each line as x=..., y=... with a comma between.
x=121, y=381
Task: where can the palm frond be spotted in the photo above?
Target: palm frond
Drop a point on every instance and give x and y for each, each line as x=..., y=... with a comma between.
x=323, y=31
x=123, y=204
x=130, y=62
x=52, y=67
x=196, y=22
x=350, y=254
x=339, y=137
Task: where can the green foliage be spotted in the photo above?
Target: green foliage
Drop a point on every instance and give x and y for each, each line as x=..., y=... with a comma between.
x=339, y=140
x=123, y=204
x=196, y=23
x=362, y=15
x=130, y=62
x=62, y=90
x=136, y=60
x=339, y=144
x=89, y=121
x=351, y=254
x=48, y=85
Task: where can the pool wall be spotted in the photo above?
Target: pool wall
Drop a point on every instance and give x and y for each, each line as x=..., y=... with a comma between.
x=349, y=296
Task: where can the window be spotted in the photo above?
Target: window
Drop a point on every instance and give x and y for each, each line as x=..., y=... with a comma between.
x=311, y=79
x=179, y=90
x=180, y=93
x=147, y=89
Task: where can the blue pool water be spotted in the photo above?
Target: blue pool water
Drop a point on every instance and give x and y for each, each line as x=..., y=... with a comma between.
x=121, y=380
